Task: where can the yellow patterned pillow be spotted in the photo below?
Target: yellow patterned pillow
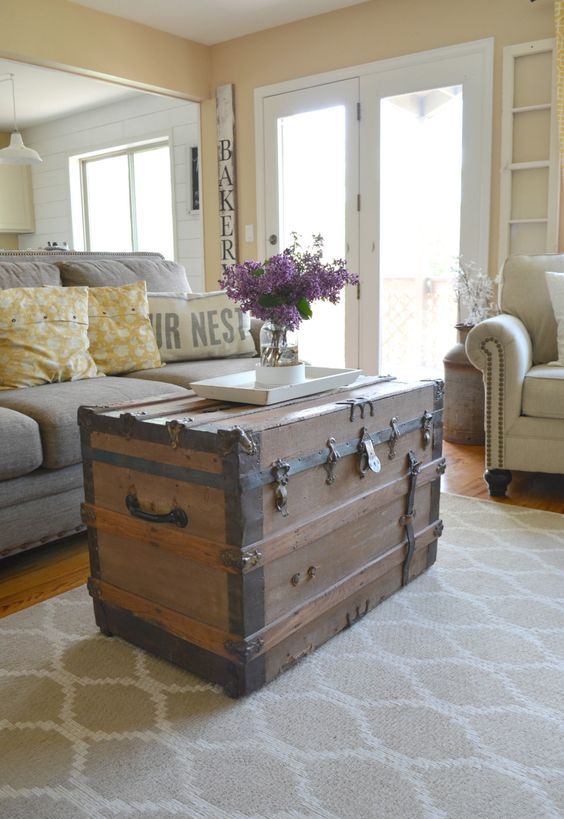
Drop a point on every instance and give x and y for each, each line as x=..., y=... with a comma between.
x=121, y=336
x=43, y=336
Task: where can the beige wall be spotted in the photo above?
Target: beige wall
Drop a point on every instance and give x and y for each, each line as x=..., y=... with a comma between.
x=62, y=34
x=371, y=31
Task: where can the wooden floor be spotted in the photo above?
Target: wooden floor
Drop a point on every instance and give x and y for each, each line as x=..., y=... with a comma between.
x=47, y=571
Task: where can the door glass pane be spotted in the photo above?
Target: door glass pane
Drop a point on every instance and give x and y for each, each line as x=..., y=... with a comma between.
x=421, y=169
x=153, y=201
x=311, y=171
x=108, y=204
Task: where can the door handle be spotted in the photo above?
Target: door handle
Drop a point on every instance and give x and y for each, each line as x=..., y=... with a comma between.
x=273, y=238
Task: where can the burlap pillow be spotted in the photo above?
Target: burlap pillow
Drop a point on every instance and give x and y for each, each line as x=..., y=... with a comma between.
x=190, y=326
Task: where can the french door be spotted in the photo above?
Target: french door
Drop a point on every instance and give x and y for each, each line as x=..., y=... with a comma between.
x=346, y=159
x=311, y=160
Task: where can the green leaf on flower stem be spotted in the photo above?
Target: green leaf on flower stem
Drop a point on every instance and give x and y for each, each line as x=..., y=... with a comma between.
x=304, y=308
x=270, y=300
x=258, y=272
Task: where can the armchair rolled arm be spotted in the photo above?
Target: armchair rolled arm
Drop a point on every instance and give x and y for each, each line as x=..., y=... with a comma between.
x=501, y=348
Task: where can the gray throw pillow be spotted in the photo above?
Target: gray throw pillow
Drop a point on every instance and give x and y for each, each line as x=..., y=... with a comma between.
x=161, y=275
x=28, y=274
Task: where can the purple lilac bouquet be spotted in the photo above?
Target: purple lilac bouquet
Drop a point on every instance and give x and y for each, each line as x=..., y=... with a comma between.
x=282, y=288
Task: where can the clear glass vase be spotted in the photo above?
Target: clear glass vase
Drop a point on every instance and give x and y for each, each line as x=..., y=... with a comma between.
x=278, y=345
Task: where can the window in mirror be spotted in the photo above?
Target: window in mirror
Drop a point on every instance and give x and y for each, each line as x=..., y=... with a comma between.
x=127, y=200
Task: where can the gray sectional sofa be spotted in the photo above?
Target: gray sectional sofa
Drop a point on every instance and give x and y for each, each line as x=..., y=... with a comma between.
x=40, y=456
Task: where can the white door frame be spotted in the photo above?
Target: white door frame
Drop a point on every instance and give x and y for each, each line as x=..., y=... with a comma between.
x=471, y=65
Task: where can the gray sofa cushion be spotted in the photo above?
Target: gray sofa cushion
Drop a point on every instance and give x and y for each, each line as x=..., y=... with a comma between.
x=20, y=445
x=543, y=392
x=161, y=275
x=28, y=274
x=43, y=483
x=31, y=523
x=184, y=372
x=54, y=407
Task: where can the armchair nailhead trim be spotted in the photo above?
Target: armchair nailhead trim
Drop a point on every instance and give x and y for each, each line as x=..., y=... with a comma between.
x=489, y=409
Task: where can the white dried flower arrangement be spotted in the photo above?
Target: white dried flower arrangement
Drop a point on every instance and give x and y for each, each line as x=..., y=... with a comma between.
x=474, y=289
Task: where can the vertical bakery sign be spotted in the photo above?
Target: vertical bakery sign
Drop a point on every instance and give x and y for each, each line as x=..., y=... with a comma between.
x=226, y=174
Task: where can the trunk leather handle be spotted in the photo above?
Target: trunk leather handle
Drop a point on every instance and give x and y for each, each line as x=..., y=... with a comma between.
x=177, y=515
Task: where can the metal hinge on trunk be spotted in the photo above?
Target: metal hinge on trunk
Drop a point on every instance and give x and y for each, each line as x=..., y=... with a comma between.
x=174, y=429
x=280, y=470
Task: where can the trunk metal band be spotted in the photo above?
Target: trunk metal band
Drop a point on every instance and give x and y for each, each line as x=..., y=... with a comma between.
x=407, y=519
x=254, y=480
x=297, y=465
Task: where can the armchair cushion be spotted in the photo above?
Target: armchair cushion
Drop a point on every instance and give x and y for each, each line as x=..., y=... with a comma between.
x=543, y=392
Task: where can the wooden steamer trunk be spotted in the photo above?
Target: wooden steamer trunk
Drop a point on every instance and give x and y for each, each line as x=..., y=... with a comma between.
x=233, y=540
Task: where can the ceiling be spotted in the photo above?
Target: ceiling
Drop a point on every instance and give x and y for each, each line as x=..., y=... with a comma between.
x=213, y=21
x=43, y=94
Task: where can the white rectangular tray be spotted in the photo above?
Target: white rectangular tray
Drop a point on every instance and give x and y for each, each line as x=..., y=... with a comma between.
x=241, y=387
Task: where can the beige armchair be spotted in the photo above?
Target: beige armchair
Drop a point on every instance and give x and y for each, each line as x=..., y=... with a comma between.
x=524, y=395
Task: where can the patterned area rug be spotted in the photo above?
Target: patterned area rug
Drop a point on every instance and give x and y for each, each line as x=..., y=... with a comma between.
x=444, y=703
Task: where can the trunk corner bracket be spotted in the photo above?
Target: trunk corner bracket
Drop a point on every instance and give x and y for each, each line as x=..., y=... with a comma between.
x=426, y=425
x=128, y=420
x=439, y=388
x=237, y=438
x=245, y=651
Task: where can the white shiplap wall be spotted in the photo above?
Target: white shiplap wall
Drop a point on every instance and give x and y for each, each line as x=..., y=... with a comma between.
x=131, y=120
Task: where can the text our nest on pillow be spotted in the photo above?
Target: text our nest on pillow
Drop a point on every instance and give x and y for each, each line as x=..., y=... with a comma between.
x=190, y=326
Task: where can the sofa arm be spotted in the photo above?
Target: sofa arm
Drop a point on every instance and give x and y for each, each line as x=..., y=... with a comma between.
x=501, y=348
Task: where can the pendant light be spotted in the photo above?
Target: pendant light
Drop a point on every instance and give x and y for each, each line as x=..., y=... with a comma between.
x=16, y=153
